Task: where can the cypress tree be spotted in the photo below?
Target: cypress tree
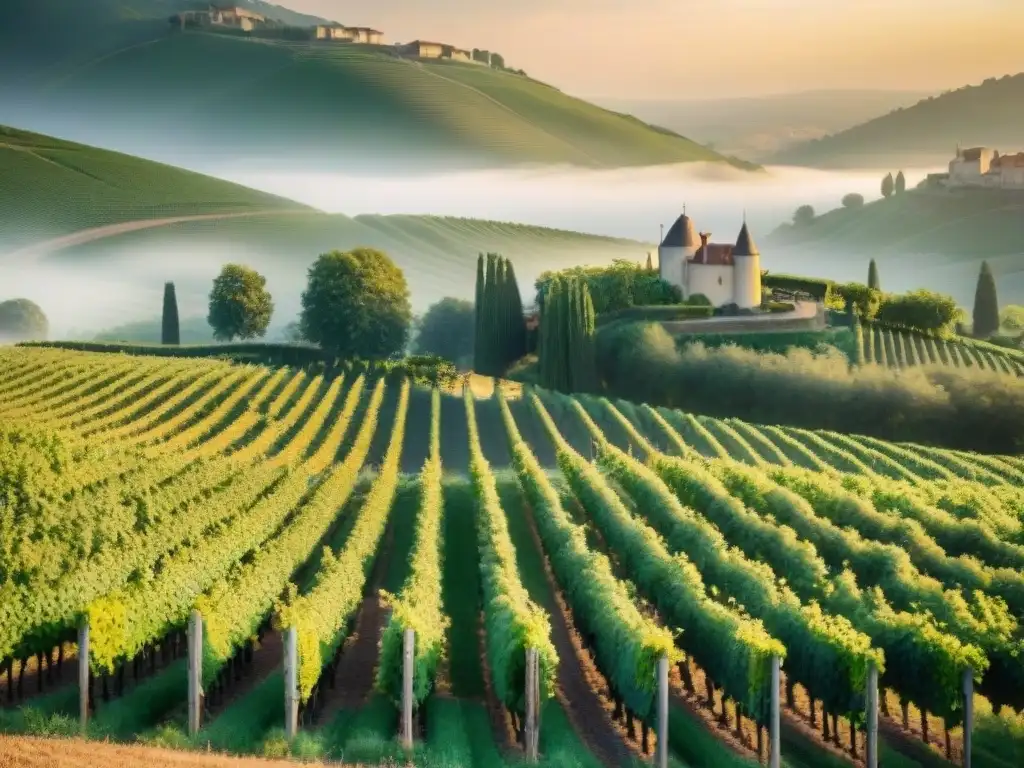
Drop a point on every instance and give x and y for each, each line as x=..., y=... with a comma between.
x=170, y=333
x=986, y=304
x=478, y=334
x=873, y=281
x=489, y=325
x=518, y=335
x=888, y=186
x=573, y=335
x=901, y=183
x=650, y=264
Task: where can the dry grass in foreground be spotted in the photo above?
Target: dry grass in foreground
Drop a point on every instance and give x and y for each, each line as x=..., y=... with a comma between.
x=19, y=752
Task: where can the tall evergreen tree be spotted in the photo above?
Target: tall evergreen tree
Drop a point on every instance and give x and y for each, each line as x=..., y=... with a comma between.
x=901, y=183
x=986, y=304
x=888, y=186
x=171, y=332
x=518, y=336
x=478, y=307
x=650, y=263
x=873, y=281
x=489, y=325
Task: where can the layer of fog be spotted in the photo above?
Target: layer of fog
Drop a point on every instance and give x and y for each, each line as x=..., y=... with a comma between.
x=91, y=293
x=628, y=202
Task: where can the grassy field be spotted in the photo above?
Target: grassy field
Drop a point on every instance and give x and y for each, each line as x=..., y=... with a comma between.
x=224, y=484
x=308, y=105
x=50, y=187
x=988, y=114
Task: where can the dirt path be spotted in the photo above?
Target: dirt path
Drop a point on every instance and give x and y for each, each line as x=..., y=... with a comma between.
x=52, y=678
x=25, y=752
x=267, y=656
x=357, y=669
x=113, y=230
x=578, y=677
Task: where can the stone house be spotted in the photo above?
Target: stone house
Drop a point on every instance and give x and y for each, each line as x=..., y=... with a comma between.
x=341, y=33
x=424, y=49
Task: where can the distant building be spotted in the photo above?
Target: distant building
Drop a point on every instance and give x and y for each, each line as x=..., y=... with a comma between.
x=985, y=167
x=424, y=49
x=724, y=272
x=341, y=33
x=236, y=16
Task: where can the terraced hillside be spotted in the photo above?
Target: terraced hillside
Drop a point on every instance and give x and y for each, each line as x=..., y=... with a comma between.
x=50, y=188
x=900, y=349
x=141, y=488
x=947, y=233
x=315, y=106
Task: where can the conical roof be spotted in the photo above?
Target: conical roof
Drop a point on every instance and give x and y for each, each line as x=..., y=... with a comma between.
x=745, y=245
x=681, y=234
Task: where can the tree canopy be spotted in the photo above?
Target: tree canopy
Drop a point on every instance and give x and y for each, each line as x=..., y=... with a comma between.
x=356, y=305
x=500, y=328
x=873, y=280
x=921, y=310
x=240, y=305
x=446, y=330
x=888, y=186
x=567, y=337
x=901, y=183
x=22, y=320
x=853, y=200
x=621, y=285
x=803, y=215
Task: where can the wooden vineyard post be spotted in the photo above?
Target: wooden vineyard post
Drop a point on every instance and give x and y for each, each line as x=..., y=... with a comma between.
x=775, y=747
x=872, y=717
x=408, y=651
x=83, y=675
x=531, y=731
x=195, y=672
x=968, y=714
x=291, y=683
x=661, y=757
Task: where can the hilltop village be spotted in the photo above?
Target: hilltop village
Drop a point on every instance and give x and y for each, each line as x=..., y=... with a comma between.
x=235, y=19
x=981, y=167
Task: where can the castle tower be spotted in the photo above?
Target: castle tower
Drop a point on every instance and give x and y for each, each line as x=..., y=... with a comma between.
x=746, y=271
x=679, y=245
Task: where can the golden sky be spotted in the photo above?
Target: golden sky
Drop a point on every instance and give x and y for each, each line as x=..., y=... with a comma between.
x=715, y=48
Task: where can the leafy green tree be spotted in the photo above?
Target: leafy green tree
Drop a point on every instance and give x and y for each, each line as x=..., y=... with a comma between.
x=888, y=186
x=921, y=310
x=859, y=299
x=170, y=330
x=853, y=200
x=356, y=305
x=497, y=60
x=1012, y=317
x=447, y=330
x=240, y=305
x=901, y=183
x=986, y=304
x=873, y=280
x=803, y=215
x=22, y=320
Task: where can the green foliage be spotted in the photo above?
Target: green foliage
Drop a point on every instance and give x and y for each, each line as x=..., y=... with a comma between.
x=778, y=342
x=500, y=324
x=447, y=330
x=624, y=284
x=22, y=320
x=513, y=622
x=322, y=614
x=920, y=310
x=418, y=606
x=873, y=281
x=659, y=313
x=819, y=390
x=567, y=337
x=901, y=183
x=888, y=186
x=627, y=644
x=818, y=289
x=356, y=305
x=862, y=299
x=853, y=200
x=240, y=305
x=1012, y=318
x=803, y=215
x=986, y=304
x=170, y=333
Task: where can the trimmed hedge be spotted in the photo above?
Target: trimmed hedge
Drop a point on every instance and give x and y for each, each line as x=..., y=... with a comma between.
x=778, y=342
x=658, y=314
x=816, y=287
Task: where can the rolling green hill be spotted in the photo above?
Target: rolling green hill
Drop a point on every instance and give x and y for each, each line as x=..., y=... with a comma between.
x=990, y=114
x=153, y=90
x=947, y=233
x=50, y=188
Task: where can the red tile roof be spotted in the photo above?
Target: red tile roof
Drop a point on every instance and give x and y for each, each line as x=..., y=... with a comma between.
x=718, y=254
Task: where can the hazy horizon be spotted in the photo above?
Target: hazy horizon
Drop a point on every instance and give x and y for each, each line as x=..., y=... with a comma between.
x=770, y=45
x=627, y=203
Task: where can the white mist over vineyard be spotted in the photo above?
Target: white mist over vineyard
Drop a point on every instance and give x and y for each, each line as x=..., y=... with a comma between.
x=115, y=282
